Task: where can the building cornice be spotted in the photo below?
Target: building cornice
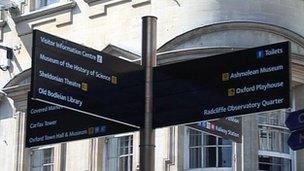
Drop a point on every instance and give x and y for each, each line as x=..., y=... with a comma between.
x=122, y=53
x=234, y=25
x=18, y=93
x=2, y=94
x=58, y=15
x=99, y=8
x=38, y=13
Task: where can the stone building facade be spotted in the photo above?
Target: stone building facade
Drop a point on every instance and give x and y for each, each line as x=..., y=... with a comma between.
x=187, y=29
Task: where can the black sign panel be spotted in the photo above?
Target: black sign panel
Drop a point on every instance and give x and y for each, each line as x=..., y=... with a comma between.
x=295, y=120
x=296, y=140
x=85, y=80
x=49, y=124
x=236, y=83
x=229, y=128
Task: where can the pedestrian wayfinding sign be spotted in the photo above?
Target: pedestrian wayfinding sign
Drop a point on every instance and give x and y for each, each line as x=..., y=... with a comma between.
x=295, y=123
x=80, y=82
x=86, y=80
x=236, y=83
x=49, y=124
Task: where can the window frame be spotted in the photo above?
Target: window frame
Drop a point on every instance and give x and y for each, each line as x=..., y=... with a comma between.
x=128, y=155
x=202, y=147
x=269, y=127
x=274, y=164
x=43, y=164
x=34, y=6
x=38, y=5
x=265, y=121
x=115, y=151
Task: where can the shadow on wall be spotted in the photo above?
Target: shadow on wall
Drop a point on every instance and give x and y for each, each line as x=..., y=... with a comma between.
x=27, y=43
x=6, y=108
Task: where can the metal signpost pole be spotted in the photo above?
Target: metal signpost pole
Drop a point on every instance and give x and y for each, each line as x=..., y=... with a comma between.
x=147, y=137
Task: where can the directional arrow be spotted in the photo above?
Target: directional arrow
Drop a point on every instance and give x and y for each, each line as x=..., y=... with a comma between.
x=295, y=120
x=296, y=140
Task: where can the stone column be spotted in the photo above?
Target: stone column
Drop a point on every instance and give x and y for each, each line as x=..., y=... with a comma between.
x=62, y=160
x=237, y=158
x=180, y=148
x=250, y=143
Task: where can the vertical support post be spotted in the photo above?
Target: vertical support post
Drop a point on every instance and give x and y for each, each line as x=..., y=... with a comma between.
x=63, y=150
x=147, y=137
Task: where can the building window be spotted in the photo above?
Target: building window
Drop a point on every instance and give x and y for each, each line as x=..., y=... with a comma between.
x=125, y=153
x=274, y=153
x=206, y=151
x=43, y=3
x=195, y=149
x=119, y=153
x=273, y=139
x=274, y=163
x=273, y=134
x=42, y=159
x=276, y=118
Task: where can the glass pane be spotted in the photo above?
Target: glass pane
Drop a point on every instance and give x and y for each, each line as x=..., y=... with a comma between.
x=209, y=140
x=126, y=144
x=263, y=135
x=225, y=157
x=286, y=165
x=274, y=140
x=123, y=164
x=195, y=158
x=262, y=119
x=195, y=138
x=130, y=163
x=131, y=139
x=210, y=157
x=285, y=147
x=36, y=158
x=123, y=141
x=222, y=141
x=48, y=155
x=123, y=150
x=48, y=168
x=49, y=2
x=274, y=118
x=274, y=163
x=42, y=3
x=36, y=169
x=42, y=160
